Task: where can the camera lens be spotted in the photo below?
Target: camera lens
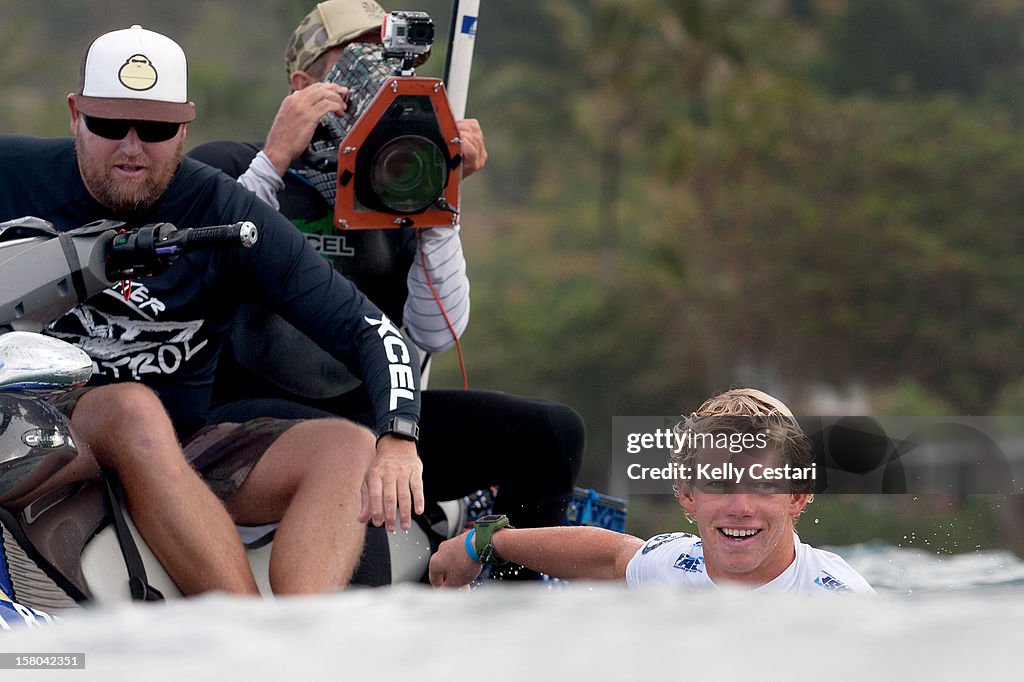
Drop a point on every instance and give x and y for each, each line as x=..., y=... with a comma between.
x=421, y=33
x=408, y=174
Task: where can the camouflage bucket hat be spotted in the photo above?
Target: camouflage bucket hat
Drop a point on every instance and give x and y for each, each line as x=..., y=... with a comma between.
x=330, y=24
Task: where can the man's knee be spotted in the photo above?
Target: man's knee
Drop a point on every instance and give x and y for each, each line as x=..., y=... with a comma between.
x=329, y=447
x=345, y=442
x=123, y=405
x=124, y=424
x=315, y=454
x=570, y=434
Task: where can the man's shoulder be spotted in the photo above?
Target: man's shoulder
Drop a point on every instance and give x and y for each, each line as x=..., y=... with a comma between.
x=830, y=572
x=197, y=176
x=668, y=558
x=39, y=177
x=16, y=141
x=206, y=196
x=683, y=551
x=228, y=156
x=29, y=147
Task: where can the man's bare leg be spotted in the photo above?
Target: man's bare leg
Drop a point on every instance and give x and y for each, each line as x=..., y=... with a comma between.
x=310, y=480
x=183, y=522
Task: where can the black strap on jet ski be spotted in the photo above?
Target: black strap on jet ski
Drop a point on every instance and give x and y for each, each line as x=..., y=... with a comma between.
x=138, y=584
x=77, y=278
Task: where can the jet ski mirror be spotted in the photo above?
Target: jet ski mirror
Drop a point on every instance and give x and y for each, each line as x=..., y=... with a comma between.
x=34, y=363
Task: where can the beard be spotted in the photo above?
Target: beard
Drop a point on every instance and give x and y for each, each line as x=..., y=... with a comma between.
x=126, y=195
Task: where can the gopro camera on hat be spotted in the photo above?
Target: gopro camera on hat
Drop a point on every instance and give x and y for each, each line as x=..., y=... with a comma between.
x=407, y=34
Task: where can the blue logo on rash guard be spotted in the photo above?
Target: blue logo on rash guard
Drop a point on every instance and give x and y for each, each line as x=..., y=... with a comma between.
x=831, y=583
x=690, y=564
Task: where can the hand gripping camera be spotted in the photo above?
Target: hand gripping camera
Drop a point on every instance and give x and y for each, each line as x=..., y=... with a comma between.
x=399, y=165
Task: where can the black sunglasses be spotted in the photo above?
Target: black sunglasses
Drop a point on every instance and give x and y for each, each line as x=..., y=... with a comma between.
x=116, y=128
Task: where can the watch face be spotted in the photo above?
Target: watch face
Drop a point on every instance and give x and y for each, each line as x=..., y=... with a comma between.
x=403, y=428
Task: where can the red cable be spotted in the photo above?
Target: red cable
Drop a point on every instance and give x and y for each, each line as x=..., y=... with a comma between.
x=451, y=327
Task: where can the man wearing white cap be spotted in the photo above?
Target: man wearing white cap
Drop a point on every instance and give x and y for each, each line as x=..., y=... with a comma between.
x=321, y=479
x=529, y=448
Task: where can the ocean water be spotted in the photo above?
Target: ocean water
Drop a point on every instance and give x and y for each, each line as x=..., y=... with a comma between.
x=937, y=617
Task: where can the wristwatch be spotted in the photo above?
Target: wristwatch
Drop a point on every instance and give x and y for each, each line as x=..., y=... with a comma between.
x=400, y=427
x=485, y=527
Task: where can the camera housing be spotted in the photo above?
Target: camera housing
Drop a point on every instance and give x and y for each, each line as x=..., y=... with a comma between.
x=400, y=164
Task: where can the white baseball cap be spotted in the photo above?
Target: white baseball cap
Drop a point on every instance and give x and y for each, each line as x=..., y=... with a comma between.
x=134, y=74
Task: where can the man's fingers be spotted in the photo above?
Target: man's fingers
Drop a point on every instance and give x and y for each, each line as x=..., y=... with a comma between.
x=325, y=97
x=450, y=567
x=364, y=506
x=418, y=500
x=437, y=576
x=375, y=490
x=390, y=501
x=405, y=502
x=474, y=152
x=401, y=474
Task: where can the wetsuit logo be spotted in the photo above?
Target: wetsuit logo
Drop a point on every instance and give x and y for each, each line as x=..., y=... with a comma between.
x=403, y=383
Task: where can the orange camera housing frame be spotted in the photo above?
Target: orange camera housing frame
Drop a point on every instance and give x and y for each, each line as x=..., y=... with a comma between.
x=349, y=214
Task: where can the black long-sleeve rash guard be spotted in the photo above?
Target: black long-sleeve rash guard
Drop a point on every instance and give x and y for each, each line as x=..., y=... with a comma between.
x=169, y=331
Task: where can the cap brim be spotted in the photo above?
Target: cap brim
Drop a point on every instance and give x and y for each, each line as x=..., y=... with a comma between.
x=136, y=109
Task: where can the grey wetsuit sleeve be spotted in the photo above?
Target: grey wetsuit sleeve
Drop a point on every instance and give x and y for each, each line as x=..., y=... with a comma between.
x=261, y=177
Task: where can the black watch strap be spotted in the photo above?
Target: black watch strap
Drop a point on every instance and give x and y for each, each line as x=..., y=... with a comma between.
x=400, y=427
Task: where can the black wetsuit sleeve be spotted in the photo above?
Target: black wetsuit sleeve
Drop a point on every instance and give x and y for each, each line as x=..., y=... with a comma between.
x=292, y=279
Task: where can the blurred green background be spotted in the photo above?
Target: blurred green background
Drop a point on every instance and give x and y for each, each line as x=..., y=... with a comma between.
x=821, y=198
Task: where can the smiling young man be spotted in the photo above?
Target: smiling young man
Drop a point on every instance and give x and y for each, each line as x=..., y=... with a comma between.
x=743, y=498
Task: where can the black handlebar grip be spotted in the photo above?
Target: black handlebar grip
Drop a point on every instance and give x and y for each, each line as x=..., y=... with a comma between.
x=242, y=234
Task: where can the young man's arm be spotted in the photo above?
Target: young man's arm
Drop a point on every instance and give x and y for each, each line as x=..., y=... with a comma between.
x=570, y=552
